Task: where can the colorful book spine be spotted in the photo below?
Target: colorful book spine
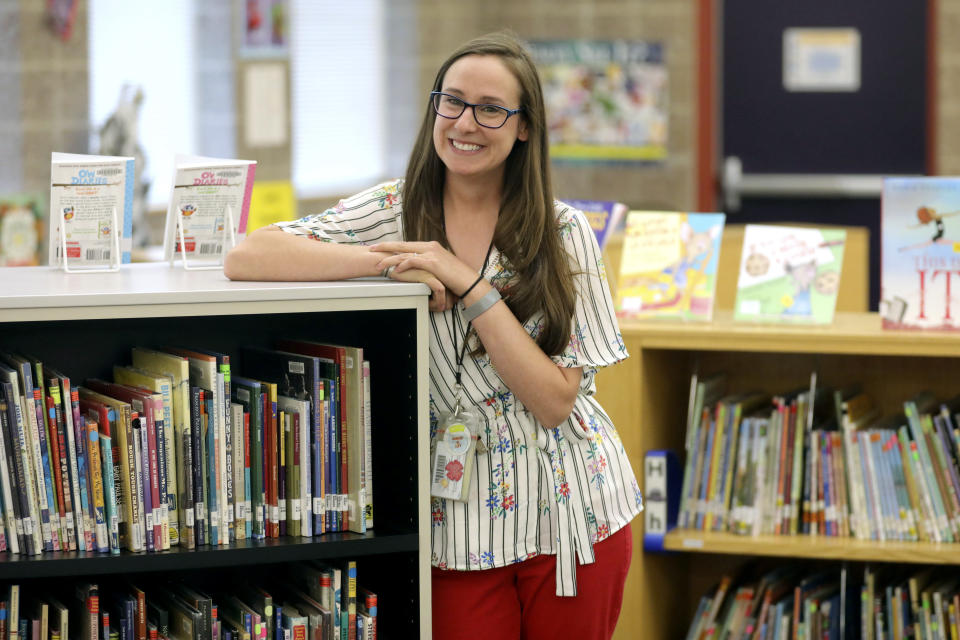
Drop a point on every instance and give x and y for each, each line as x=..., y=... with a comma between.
x=368, y=451
x=75, y=448
x=200, y=511
x=102, y=537
x=111, y=512
x=212, y=472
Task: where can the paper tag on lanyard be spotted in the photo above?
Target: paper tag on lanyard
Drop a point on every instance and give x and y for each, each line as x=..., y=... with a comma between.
x=454, y=453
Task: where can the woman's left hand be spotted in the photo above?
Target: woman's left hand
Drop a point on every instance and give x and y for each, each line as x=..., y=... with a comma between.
x=429, y=256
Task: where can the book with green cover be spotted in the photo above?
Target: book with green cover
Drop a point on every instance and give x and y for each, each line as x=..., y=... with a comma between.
x=789, y=274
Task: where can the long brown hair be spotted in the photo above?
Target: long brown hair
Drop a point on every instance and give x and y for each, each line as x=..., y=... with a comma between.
x=526, y=231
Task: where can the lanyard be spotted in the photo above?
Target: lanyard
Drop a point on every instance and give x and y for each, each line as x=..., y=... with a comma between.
x=463, y=349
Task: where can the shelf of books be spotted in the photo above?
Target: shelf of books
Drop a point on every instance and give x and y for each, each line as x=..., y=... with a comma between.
x=186, y=456
x=822, y=460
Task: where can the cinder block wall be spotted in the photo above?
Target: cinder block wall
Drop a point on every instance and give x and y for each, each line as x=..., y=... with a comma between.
x=948, y=79
x=54, y=88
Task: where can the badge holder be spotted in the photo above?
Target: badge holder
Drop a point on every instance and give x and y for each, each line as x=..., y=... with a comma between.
x=453, y=453
x=114, y=256
x=227, y=231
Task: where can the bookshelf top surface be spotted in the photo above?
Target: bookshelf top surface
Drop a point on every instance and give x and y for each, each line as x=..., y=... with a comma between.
x=159, y=283
x=853, y=333
x=813, y=547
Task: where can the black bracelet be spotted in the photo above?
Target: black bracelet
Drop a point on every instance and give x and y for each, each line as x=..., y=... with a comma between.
x=470, y=288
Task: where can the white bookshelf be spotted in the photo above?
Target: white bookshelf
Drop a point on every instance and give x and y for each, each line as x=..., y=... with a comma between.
x=83, y=323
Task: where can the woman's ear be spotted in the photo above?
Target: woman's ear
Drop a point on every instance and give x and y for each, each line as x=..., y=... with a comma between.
x=522, y=133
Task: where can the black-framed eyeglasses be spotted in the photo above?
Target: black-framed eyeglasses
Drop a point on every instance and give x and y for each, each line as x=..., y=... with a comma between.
x=491, y=116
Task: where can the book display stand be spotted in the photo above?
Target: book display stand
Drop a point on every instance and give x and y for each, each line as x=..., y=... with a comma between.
x=228, y=232
x=114, y=254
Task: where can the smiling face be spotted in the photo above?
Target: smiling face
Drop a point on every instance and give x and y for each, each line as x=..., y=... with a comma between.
x=464, y=147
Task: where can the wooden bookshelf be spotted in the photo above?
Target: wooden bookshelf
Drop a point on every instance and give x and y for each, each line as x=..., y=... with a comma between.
x=646, y=396
x=83, y=324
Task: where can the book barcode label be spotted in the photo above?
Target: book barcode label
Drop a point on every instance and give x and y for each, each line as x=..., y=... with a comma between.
x=295, y=510
x=150, y=520
x=319, y=505
x=214, y=518
x=209, y=248
x=259, y=514
x=115, y=522
x=200, y=510
x=19, y=526
x=247, y=510
x=230, y=512
x=97, y=254
x=189, y=516
x=296, y=367
x=28, y=526
x=274, y=513
x=283, y=511
x=438, y=468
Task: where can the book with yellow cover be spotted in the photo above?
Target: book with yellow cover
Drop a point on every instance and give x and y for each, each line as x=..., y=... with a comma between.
x=668, y=267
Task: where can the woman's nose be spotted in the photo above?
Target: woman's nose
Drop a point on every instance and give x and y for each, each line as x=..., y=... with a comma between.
x=466, y=121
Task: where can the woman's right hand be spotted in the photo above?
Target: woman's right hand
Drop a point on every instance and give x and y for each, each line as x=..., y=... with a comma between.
x=440, y=298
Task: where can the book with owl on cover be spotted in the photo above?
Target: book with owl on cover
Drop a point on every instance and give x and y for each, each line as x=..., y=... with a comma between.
x=789, y=274
x=920, y=253
x=668, y=267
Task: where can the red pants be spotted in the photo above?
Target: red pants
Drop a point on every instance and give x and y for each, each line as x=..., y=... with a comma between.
x=519, y=601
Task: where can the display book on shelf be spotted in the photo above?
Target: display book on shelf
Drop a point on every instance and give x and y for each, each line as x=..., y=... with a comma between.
x=158, y=306
x=891, y=369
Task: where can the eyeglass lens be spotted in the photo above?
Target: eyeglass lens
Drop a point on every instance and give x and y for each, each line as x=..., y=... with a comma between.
x=488, y=115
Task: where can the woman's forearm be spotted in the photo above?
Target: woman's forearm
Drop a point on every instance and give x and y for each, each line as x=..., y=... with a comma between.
x=547, y=390
x=272, y=254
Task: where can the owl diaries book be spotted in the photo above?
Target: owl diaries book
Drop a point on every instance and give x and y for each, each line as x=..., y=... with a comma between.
x=91, y=209
x=789, y=274
x=920, y=253
x=668, y=268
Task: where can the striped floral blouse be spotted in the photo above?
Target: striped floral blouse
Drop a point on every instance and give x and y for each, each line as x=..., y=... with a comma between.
x=535, y=490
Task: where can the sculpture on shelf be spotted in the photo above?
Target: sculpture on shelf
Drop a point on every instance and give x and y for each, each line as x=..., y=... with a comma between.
x=118, y=137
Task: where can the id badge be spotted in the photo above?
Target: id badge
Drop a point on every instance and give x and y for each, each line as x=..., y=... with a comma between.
x=453, y=455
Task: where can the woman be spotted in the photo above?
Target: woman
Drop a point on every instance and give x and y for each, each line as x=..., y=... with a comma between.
x=533, y=474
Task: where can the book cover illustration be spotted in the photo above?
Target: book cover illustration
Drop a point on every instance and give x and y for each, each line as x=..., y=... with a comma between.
x=203, y=190
x=21, y=230
x=668, y=267
x=85, y=193
x=604, y=216
x=920, y=253
x=789, y=274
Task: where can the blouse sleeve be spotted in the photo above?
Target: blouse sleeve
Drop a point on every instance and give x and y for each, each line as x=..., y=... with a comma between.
x=367, y=218
x=595, y=339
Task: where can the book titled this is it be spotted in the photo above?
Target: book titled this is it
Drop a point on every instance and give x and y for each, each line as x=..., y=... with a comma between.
x=920, y=253
x=668, y=267
x=789, y=274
